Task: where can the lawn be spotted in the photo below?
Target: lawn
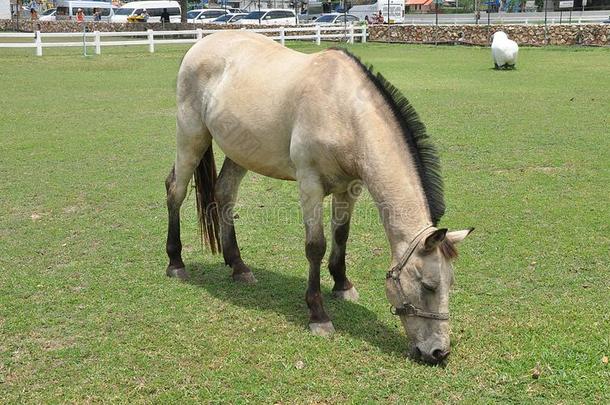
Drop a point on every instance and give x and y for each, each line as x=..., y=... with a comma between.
x=88, y=315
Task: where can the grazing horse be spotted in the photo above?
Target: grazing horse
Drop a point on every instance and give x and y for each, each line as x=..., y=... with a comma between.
x=326, y=121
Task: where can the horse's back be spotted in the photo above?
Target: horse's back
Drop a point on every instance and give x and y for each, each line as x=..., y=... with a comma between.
x=240, y=56
x=254, y=95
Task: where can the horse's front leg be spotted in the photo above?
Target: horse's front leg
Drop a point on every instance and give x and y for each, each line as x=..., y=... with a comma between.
x=311, y=195
x=343, y=205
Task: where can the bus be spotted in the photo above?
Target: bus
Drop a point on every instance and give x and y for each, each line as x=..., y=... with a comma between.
x=66, y=10
x=153, y=8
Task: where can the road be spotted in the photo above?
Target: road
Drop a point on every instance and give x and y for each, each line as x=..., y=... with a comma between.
x=553, y=17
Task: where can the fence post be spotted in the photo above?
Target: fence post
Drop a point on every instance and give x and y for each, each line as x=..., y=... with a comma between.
x=363, y=34
x=199, y=33
x=98, y=43
x=351, y=33
x=318, y=37
x=151, y=41
x=282, y=39
x=38, y=42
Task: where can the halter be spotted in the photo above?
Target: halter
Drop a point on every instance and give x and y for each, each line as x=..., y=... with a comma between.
x=407, y=308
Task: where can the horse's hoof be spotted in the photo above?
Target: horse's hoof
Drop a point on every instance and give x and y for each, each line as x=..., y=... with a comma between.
x=246, y=278
x=347, y=295
x=324, y=329
x=179, y=273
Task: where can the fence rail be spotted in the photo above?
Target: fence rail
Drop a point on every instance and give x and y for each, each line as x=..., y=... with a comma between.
x=316, y=33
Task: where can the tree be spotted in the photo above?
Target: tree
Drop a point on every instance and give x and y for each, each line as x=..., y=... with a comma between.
x=183, y=10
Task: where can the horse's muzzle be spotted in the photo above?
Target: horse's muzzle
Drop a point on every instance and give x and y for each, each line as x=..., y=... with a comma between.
x=435, y=357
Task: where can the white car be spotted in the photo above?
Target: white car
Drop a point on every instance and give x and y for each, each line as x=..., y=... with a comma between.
x=204, y=15
x=336, y=18
x=48, y=15
x=274, y=16
x=229, y=18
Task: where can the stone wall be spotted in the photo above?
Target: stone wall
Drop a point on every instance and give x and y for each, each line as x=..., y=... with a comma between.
x=584, y=34
x=73, y=26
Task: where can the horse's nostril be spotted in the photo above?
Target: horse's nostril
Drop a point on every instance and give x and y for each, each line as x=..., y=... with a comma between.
x=440, y=355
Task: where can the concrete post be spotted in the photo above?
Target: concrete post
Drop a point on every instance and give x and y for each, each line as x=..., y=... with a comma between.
x=98, y=43
x=38, y=42
x=151, y=41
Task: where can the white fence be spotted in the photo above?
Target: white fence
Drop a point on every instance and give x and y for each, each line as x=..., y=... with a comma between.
x=151, y=38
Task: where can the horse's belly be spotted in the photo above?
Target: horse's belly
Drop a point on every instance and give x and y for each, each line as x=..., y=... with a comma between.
x=264, y=155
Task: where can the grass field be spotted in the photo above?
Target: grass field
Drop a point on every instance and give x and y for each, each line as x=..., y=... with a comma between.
x=88, y=315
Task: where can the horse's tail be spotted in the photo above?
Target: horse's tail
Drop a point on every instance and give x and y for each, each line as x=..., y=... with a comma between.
x=207, y=208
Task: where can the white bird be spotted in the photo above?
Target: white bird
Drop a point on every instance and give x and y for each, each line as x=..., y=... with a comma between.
x=504, y=51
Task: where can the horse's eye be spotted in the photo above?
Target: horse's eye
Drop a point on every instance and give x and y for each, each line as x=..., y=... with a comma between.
x=428, y=287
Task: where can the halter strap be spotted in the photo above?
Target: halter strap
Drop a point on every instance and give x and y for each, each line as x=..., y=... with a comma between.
x=412, y=246
x=407, y=308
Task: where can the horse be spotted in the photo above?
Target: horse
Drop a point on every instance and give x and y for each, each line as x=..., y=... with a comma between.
x=326, y=121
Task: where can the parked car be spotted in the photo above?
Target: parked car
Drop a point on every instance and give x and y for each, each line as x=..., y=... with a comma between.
x=336, y=18
x=204, y=15
x=234, y=10
x=153, y=8
x=48, y=15
x=229, y=18
x=274, y=16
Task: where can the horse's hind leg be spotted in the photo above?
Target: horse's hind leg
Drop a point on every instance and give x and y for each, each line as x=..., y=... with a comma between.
x=227, y=187
x=191, y=146
x=343, y=205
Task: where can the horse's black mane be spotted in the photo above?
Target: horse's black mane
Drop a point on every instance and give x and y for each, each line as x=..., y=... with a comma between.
x=414, y=133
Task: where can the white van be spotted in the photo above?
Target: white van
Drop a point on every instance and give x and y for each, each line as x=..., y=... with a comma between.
x=397, y=10
x=66, y=10
x=274, y=16
x=153, y=8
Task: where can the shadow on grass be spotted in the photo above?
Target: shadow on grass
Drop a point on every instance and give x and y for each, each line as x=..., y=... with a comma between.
x=285, y=295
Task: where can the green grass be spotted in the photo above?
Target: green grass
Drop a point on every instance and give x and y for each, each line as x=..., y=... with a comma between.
x=88, y=315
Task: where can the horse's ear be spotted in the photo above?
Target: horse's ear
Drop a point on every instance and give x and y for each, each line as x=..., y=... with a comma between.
x=435, y=238
x=458, y=236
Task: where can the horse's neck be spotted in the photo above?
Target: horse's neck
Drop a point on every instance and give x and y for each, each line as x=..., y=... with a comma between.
x=392, y=180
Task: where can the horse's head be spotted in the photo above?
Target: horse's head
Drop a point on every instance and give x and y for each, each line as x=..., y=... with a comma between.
x=418, y=289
